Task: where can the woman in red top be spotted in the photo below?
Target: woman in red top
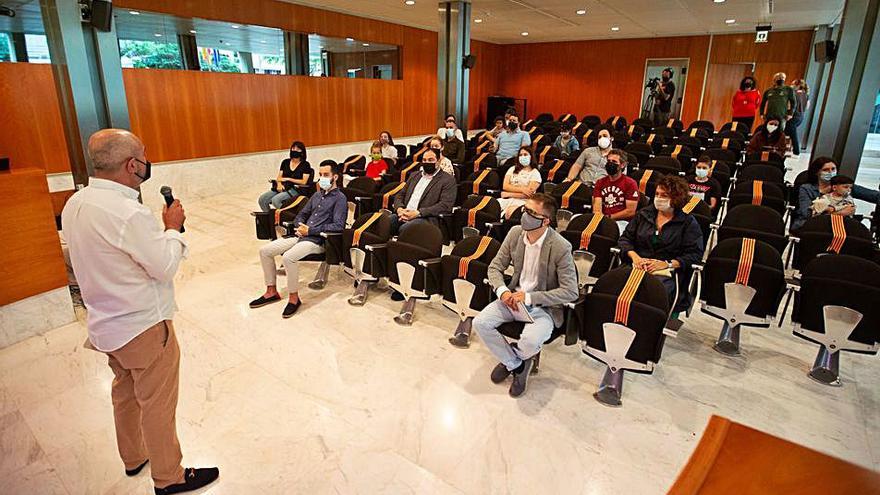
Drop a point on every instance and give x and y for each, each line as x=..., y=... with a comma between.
x=746, y=102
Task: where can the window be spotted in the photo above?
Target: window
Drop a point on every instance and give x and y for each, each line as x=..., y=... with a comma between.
x=22, y=38
x=149, y=54
x=6, y=51
x=337, y=57
x=37, y=48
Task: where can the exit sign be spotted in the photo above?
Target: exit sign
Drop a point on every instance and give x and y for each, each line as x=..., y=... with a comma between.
x=762, y=33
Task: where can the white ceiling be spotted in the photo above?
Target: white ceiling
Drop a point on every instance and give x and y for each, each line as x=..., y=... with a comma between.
x=556, y=20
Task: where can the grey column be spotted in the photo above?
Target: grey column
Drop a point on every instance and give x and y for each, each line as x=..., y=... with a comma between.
x=20, y=46
x=816, y=78
x=247, y=62
x=296, y=53
x=189, y=52
x=849, y=102
x=88, y=78
x=454, y=42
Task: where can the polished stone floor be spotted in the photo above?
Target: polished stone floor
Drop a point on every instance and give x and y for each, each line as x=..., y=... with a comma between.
x=342, y=400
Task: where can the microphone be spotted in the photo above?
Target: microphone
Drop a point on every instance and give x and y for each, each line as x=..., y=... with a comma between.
x=169, y=198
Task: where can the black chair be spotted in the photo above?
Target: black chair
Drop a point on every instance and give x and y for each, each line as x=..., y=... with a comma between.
x=473, y=217
x=729, y=141
x=656, y=141
x=695, y=144
x=647, y=180
x=701, y=211
x=413, y=266
x=676, y=125
x=645, y=124
x=593, y=241
x=766, y=156
x=402, y=152
x=543, y=118
x=478, y=183
x=764, y=173
x=591, y=121
x=354, y=162
x=617, y=122
x=359, y=243
x=623, y=318
x=642, y=151
x=668, y=133
x=729, y=157
x=360, y=193
x=619, y=139
x=546, y=154
x=836, y=307
x=482, y=161
x=737, y=127
x=555, y=172
x=635, y=132
x=742, y=283
x=568, y=119
x=830, y=234
x=590, y=138
x=665, y=164
x=680, y=152
x=579, y=129
x=757, y=193
x=465, y=289
x=703, y=135
x=384, y=199
x=573, y=198
x=754, y=221
x=705, y=125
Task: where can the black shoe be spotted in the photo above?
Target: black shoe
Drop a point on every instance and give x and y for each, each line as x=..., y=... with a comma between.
x=193, y=479
x=396, y=296
x=290, y=309
x=500, y=373
x=521, y=379
x=460, y=340
x=137, y=470
x=262, y=301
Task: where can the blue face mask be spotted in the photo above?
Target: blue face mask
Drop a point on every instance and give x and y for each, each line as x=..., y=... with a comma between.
x=325, y=183
x=702, y=172
x=827, y=176
x=525, y=160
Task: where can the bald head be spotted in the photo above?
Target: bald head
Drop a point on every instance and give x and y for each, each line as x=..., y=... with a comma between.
x=110, y=149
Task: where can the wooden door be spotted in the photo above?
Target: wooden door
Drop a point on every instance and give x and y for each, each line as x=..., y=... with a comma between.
x=722, y=83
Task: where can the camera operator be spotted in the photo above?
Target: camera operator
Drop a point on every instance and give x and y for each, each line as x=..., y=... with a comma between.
x=663, y=94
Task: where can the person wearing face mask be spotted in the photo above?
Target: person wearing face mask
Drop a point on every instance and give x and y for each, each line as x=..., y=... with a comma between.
x=125, y=265
x=746, y=102
x=388, y=149
x=820, y=173
x=428, y=194
x=778, y=101
x=450, y=130
x=444, y=164
x=294, y=171
x=493, y=133
x=543, y=281
x=663, y=98
x=768, y=137
x=702, y=185
x=520, y=182
x=565, y=143
x=616, y=195
x=590, y=165
x=662, y=238
x=326, y=211
x=453, y=148
x=376, y=167
x=509, y=142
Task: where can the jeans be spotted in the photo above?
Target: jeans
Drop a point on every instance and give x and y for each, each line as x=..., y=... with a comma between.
x=791, y=130
x=533, y=335
x=291, y=249
x=398, y=227
x=276, y=199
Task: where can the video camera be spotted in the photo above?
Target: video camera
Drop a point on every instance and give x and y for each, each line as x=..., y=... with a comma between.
x=652, y=83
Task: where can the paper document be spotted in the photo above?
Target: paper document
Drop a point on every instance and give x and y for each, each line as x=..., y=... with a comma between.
x=522, y=314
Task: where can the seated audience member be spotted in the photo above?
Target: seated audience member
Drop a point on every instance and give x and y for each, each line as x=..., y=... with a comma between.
x=838, y=201
x=543, y=280
x=443, y=164
x=819, y=174
x=450, y=129
x=428, y=193
x=388, y=149
x=565, y=143
x=590, y=165
x=702, y=186
x=492, y=134
x=521, y=181
x=453, y=149
x=295, y=170
x=509, y=142
x=662, y=238
x=616, y=195
x=326, y=211
x=768, y=137
x=375, y=167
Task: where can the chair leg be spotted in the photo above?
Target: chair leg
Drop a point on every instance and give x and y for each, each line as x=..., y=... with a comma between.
x=405, y=317
x=611, y=388
x=462, y=336
x=826, y=367
x=320, y=277
x=728, y=341
x=359, y=298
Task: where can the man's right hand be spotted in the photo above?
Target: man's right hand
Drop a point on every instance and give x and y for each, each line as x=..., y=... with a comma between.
x=173, y=216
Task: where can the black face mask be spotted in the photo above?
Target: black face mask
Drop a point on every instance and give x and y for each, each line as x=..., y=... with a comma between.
x=612, y=168
x=429, y=168
x=437, y=150
x=147, y=173
x=780, y=82
x=512, y=125
x=665, y=78
x=296, y=154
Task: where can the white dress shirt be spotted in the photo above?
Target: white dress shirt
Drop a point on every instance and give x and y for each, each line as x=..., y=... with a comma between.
x=418, y=191
x=528, y=278
x=123, y=261
x=389, y=151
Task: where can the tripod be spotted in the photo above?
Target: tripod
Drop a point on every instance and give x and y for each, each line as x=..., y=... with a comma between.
x=648, y=106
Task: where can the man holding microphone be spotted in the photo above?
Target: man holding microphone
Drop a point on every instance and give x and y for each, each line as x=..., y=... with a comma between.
x=125, y=265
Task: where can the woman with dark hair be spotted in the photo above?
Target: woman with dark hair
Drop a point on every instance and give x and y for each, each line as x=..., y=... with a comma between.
x=521, y=181
x=746, y=102
x=802, y=99
x=294, y=171
x=662, y=239
x=819, y=174
x=768, y=137
x=388, y=149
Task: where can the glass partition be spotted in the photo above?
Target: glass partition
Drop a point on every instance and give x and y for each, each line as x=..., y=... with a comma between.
x=23, y=37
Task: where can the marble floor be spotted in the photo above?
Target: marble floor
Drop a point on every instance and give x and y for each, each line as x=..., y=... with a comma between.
x=342, y=400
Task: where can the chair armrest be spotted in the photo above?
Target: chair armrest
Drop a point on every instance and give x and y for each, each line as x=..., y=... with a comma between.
x=429, y=261
x=573, y=321
x=376, y=247
x=327, y=235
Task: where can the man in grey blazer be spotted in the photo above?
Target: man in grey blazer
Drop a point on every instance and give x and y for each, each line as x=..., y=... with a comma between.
x=544, y=279
x=428, y=193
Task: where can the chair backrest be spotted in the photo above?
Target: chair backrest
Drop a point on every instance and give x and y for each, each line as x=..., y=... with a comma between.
x=620, y=139
x=568, y=118
x=758, y=192
x=402, y=151
x=725, y=155
x=463, y=263
x=703, y=124
x=596, y=234
x=544, y=117
x=665, y=164
x=424, y=235
x=364, y=185
x=840, y=280
x=737, y=127
x=683, y=153
x=618, y=122
x=766, y=156
x=555, y=170
x=646, y=124
x=646, y=179
x=666, y=132
x=766, y=173
x=754, y=221
x=488, y=205
x=831, y=234
x=635, y=132
x=745, y=261
x=591, y=121
x=642, y=152
x=606, y=226
x=656, y=141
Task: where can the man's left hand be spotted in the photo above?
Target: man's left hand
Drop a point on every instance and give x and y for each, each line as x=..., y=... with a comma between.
x=656, y=265
x=302, y=230
x=516, y=298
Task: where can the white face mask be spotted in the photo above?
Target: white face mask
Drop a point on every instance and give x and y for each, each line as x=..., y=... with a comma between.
x=604, y=142
x=772, y=128
x=662, y=204
x=525, y=160
x=702, y=172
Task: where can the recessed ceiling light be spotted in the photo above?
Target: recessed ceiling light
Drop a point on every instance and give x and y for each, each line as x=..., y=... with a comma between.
x=719, y=1
x=158, y=35
x=615, y=28
x=134, y=12
x=478, y=21
x=581, y=12
x=366, y=44
x=263, y=41
x=410, y=2
x=193, y=31
x=524, y=33
x=235, y=26
x=730, y=21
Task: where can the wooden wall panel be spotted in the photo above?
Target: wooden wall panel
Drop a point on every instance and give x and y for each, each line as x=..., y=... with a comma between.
x=603, y=77
x=31, y=132
x=418, y=107
x=483, y=81
x=32, y=262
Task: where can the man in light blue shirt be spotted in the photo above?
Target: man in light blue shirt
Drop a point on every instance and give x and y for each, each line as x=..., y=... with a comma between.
x=508, y=143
